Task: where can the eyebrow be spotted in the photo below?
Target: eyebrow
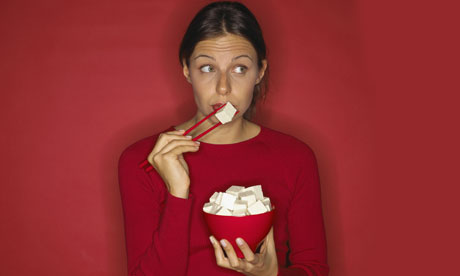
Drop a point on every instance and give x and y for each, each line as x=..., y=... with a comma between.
x=240, y=56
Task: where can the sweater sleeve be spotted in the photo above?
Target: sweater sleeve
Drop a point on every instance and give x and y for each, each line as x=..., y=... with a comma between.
x=307, y=239
x=156, y=236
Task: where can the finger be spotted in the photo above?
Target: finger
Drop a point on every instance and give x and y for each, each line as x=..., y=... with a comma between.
x=231, y=255
x=176, y=143
x=249, y=256
x=260, y=246
x=221, y=260
x=269, y=242
x=263, y=248
x=175, y=152
x=165, y=137
x=180, y=131
x=171, y=144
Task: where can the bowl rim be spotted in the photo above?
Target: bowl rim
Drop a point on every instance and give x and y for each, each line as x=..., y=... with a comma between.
x=272, y=210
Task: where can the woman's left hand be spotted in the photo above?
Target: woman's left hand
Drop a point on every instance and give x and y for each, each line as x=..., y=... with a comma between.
x=264, y=263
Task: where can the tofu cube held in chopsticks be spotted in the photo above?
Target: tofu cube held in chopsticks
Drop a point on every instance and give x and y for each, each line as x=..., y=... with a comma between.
x=225, y=114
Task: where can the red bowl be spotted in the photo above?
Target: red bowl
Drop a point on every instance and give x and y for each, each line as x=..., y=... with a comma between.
x=252, y=228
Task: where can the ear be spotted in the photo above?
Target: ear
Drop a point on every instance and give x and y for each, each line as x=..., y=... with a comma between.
x=262, y=71
x=186, y=71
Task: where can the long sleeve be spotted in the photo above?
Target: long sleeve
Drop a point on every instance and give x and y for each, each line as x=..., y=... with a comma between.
x=157, y=231
x=305, y=223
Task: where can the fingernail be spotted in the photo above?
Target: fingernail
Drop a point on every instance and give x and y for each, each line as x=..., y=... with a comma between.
x=211, y=239
x=181, y=130
x=188, y=136
x=239, y=241
x=224, y=244
x=197, y=142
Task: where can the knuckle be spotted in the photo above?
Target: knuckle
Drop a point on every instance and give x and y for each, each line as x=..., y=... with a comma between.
x=244, y=267
x=156, y=159
x=234, y=264
x=150, y=158
x=260, y=263
x=169, y=156
x=174, y=141
x=177, y=142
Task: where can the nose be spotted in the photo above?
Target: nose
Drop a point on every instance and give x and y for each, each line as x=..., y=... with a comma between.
x=223, y=85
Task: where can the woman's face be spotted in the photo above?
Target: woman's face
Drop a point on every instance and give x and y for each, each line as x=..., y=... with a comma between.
x=223, y=69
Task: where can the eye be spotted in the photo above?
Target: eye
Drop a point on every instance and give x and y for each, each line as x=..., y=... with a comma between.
x=206, y=68
x=241, y=69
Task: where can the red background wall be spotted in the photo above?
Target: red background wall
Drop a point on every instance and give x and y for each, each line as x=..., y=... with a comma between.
x=81, y=80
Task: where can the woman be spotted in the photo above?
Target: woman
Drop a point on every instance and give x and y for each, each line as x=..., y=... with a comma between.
x=223, y=56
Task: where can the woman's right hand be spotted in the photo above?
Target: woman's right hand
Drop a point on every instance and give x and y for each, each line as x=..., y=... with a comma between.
x=167, y=159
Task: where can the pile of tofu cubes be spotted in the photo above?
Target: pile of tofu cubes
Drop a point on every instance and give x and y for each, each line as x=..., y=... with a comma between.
x=238, y=201
x=225, y=114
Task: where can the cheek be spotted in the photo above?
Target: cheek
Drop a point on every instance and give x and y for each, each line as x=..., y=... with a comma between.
x=201, y=82
x=243, y=95
x=244, y=87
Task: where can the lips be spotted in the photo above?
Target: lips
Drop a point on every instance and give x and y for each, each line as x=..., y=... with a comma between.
x=217, y=105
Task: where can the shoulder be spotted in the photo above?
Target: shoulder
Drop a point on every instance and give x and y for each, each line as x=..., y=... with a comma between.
x=287, y=144
x=295, y=159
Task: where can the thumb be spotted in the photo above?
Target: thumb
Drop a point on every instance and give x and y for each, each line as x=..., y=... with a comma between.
x=271, y=239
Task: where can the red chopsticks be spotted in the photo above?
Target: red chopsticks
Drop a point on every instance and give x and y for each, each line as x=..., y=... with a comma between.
x=150, y=167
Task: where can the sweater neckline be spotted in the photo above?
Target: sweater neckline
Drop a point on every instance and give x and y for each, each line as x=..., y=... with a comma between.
x=241, y=143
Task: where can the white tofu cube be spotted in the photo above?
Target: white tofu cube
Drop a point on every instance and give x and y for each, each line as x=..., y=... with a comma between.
x=240, y=205
x=228, y=201
x=224, y=212
x=258, y=191
x=238, y=201
x=207, y=207
x=219, y=198
x=239, y=213
x=210, y=207
x=248, y=196
x=234, y=190
x=213, y=198
x=248, y=189
x=257, y=208
x=267, y=203
x=225, y=114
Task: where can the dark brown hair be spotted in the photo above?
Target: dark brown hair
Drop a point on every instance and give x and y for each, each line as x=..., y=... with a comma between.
x=220, y=18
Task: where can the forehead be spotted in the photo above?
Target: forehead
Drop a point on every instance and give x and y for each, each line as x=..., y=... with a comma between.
x=232, y=44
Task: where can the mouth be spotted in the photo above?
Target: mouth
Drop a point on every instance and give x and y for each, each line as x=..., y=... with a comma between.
x=217, y=105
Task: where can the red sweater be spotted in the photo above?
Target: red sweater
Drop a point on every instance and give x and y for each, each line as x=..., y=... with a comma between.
x=161, y=229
